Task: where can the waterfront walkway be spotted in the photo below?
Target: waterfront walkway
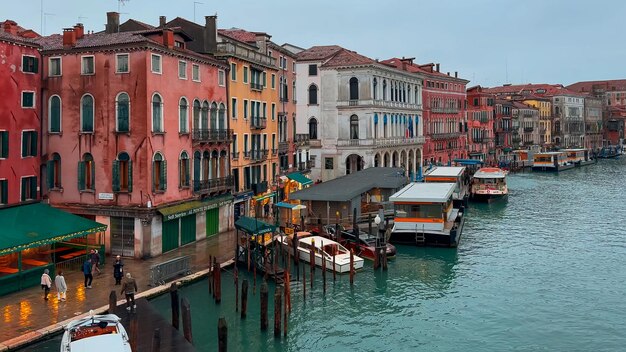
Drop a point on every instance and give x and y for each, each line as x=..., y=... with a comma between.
x=26, y=311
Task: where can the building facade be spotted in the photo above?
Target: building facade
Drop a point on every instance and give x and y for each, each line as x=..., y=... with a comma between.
x=593, y=122
x=544, y=105
x=528, y=125
x=481, y=121
x=503, y=130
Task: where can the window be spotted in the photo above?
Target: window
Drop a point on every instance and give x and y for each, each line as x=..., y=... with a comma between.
x=183, y=170
x=182, y=69
x=375, y=90
x=221, y=117
x=156, y=63
x=245, y=109
x=159, y=173
x=157, y=113
x=196, y=114
x=87, y=65
x=4, y=144
x=328, y=164
x=221, y=78
x=273, y=111
x=312, y=94
x=233, y=107
x=384, y=89
x=264, y=110
x=28, y=99
x=121, y=63
x=53, y=168
x=273, y=81
x=313, y=128
x=30, y=64
x=86, y=114
x=122, y=173
x=233, y=72
x=4, y=192
x=213, y=117
x=294, y=91
x=294, y=66
x=354, y=88
x=245, y=146
x=122, y=109
x=245, y=74
x=29, y=188
x=354, y=127
x=29, y=143
x=54, y=114
x=195, y=73
x=183, y=116
x=86, y=173
x=313, y=70
x=54, y=66
x=235, y=146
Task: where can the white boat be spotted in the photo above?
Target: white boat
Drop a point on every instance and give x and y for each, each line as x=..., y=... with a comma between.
x=551, y=161
x=95, y=333
x=324, y=249
x=452, y=174
x=489, y=183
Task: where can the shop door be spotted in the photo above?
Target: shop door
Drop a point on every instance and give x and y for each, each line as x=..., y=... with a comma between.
x=212, y=222
x=170, y=235
x=187, y=229
x=123, y=236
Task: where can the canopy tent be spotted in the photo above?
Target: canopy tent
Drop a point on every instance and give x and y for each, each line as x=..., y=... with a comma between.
x=34, y=225
x=285, y=205
x=300, y=178
x=253, y=226
x=468, y=161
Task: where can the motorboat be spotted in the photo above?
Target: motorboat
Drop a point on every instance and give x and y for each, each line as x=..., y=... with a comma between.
x=488, y=184
x=363, y=244
x=95, y=333
x=336, y=256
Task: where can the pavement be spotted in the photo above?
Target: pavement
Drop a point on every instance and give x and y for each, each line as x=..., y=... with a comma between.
x=25, y=312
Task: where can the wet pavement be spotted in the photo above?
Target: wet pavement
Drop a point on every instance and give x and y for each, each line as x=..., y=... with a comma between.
x=26, y=310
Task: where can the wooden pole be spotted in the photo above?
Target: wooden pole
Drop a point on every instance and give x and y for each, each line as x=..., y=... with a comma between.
x=211, y=266
x=384, y=255
x=351, y=267
x=277, y=311
x=248, y=250
x=376, y=256
x=156, y=340
x=236, y=288
x=264, y=297
x=175, y=305
x=186, y=310
x=222, y=335
x=254, y=278
x=323, y=269
x=312, y=261
x=244, y=298
x=334, y=269
x=134, y=332
x=112, y=302
x=285, y=309
x=218, y=283
x=303, y=283
x=288, y=290
x=296, y=255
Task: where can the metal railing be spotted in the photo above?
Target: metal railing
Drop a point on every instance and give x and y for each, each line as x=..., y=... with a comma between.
x=212, y=135
x=161, y=272
x=437, y=136
x=302, y=138
x=258, y=122
x=259, y=154
x=256, y=86
x=213, y=184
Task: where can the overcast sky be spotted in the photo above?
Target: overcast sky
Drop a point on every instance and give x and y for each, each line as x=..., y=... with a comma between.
x=489, y=42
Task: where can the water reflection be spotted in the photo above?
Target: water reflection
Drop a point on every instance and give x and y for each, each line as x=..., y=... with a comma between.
x=25, y=311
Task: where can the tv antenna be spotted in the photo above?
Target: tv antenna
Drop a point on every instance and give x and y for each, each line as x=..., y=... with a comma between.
x=121, y=3
x=45, y=16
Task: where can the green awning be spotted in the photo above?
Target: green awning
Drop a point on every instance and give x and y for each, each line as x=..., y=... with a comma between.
x=34, y=225
x=253, y=226
x=264, y=196
x=300, y=178
x=192, y=207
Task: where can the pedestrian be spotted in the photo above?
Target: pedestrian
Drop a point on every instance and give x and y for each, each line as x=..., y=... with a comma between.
x=46, y=283
x=266, y=209
x=87, y=272
x=95, y=260
x=118, y=270
x=129, y=288
x=59, y=282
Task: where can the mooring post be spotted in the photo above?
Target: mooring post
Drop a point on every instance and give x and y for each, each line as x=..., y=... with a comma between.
x=134, y=332
x=285, y=309
x=323, y=269
x=236, y=289
x=334, y=269
x=277, y=310
x=174, y=302
x=264, y=297
x=312, y=261
x=296, y=254
x=211, y=266
x=303, y=283
x=351, y=267
x=112, y=302
x=156, y=340
x=222, y=335
x=384, y=255
x=186, y=310
x=218, y=283
x=287, y=281
x=244, y=298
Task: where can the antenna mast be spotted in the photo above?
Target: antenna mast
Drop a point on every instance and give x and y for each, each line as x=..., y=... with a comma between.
x=121, y=3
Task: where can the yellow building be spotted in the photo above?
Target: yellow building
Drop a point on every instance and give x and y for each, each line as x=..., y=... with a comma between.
x=545, y=118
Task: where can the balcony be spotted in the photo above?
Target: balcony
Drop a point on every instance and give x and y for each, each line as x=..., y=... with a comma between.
x=379, y=103
x=213, y=185
x=235, y=155
x=227, y=49
x=275, y=152
x=302, y=139
x=284, y=99
x=353, y=102
x=528, y=129
x=256, y=86
x=439, y=110
x=440, y=136
x=259, y=154
x=258, y=123
x=283, y=147
x=306, y=166
x=380, y=142
x=212, y=135
x=246, y=154
x=484, y=119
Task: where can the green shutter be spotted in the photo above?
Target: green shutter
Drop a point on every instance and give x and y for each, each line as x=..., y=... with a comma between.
x=4, y=189
x=130, y=176
x=33, y=143
x=116, y=176
x=50, y=173
x=93, y=174
x=164, y=176
x=24, y=185
x=153, y=176
x=24, y=144
x=33, y=187
x=55, y=114
x=187, y=229
x=187, y=172
x=36, y=65
x=5, y=144
x=81, y=175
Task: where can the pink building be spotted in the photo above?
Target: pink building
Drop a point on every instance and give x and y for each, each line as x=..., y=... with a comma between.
x=481, y=109
x=137, y=136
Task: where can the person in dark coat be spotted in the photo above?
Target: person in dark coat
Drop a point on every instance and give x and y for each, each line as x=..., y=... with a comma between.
x=118, y=270
x=129, y=288
x=87, y=273
x=95, y=261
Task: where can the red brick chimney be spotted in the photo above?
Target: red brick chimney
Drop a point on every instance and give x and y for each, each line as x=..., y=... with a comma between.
x=168, y=38
x=79, y=30
x=113, y=23
x=69, y=37
x=10, y=27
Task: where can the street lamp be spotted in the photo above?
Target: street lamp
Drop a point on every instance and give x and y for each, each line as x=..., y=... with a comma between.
x=377, y=221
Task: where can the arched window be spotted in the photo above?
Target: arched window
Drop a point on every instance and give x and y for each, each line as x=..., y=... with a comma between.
x=294, y=91
x=375, y=89
x=86, y=173
x=183, y=116
x=86, y=114
x=354, y=88
x=312, y=94
x=354, y=127
x=159, y=173
x=213, y=117
x=122, y=108
x=183, y=170
x=54, y=114
x=206, y=165
x=375, y=126
x=122, y=173
x=221, y=117
x=197, y=159
x=196, y=114
x=157, y=113
x=313, y=128
x=54, y=172
x=384, y=89
x=204, y=116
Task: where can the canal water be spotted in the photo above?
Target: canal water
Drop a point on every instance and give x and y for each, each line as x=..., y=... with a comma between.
x=543, y=271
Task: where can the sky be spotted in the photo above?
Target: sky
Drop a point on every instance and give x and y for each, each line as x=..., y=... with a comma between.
x=489, y=42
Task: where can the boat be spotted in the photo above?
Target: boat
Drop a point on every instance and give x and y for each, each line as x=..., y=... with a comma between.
x=364, y=245
x=95, y=333
x=337, y=256
x=488, y=184
x=452, y=174
x=551, y=161
x=610, y=151
x=424, y=215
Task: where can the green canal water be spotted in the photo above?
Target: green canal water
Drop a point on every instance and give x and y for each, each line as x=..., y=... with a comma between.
x=543, y=271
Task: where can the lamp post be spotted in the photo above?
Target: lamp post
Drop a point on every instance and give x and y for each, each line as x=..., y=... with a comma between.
x=379, y=240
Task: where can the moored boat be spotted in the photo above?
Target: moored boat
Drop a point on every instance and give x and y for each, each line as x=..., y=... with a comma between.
x=364, y=245
x=488, y=184
x=551, y=161
x=580, y=156
x=452, y=174
x=336, y=256
x=95, y=333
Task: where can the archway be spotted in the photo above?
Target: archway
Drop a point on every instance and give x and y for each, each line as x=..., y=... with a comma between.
x=377, y=160
x=394, y=159
x=354, y=162
x=386, y=159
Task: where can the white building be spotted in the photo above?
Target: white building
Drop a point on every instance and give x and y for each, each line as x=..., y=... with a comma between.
x=569, y=120
x=359, y=113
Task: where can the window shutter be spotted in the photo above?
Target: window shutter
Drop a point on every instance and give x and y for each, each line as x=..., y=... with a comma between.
x=50, y=173
x=5, y=144
x=130, y=176
x=36, y=65
x=116, y=176
x=81, y=175
x=24, y=185
x=153, y=176
x=187, y=172
x=93, y=175
x=33, y=143
x=33, y=187
x=164, y=176
x=24, y=144
x=5, y=191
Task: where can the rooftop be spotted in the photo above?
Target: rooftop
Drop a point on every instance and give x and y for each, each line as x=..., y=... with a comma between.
x=606, y=85
x=424, y=192
x=445, y=171
x=318, y=53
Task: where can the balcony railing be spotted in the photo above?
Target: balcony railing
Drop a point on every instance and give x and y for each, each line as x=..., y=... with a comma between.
x=284, y=99
x=258, y=123
x=256, y=86
x=380, y=142
x=528, y=129
x=213, y=185
x=379, y=103
x=275, y=151
x=259, y=154
x=235, y=155
x=227, y=48
x=283, y=147
x=439, y=136
x=302, y=139
x=353, y=102
x=246, y=154
x=445, y=110
x=306, y=165
x=212, y=135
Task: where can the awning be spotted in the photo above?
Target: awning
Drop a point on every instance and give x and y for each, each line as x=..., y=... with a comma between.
x=34, y=225
x=467, y=161
x=300, y=178
x=253, y=226
x=264, y=196
x=285, y=205
x=193, y=207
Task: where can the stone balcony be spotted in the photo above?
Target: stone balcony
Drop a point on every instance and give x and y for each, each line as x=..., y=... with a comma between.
x=379, y=142
x=213, y=185
x=212, y=135
x=379, y=103
x=440, y=136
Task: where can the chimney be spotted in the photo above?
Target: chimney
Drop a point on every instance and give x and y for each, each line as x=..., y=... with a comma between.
x=406, y=62
x=113, y=23
x=448, y=73
x=69, y=37
x=168, y=38
x=162, y=21
x=79, y=30
x=261, y=42
x=210, y=34
x=456, y=74
x=10, y=27
x=437, y=67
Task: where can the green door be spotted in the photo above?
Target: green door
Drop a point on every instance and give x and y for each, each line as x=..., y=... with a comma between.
x=170, y=235
x=187, y=229
x=212, y=222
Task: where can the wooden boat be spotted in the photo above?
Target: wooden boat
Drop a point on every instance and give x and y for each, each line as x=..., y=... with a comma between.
x=425, y=215
x=580, y=157
x=551, y=161
x=488, y=184
x=610, y=151
x=452, y=174
x=364, y=245
x=324, y=249
x=95, y=333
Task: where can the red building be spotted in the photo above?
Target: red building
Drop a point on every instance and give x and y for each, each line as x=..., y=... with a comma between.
x=137, y=136
x=480, y=121
x=504, y=130
x=20, y=123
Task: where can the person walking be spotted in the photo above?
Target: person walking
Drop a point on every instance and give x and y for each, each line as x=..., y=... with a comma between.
x=129, y=288
x=59, y=282
x=118, y=269
x=46, y=283
x=95, y=260
x=87, y=272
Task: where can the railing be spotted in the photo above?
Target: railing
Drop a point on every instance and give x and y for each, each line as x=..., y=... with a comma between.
x=246, y=154
x=258, y=123
x=353, y=102
x=213, y=185
x=283, y=147
x=302, y=139
x=259, y=154
x=315, y=143
x=235, y=155
x=445, y=110
x=528, y=129
x=161, y=272
x=438, y=136
x=284, y=99
x=275, y=151
x=354, y=142
x=380, y=103
x=256, y=86
x=380, y=142
x=306, y=165
x=226, y=48
x=212, y=135
x=484, y=119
